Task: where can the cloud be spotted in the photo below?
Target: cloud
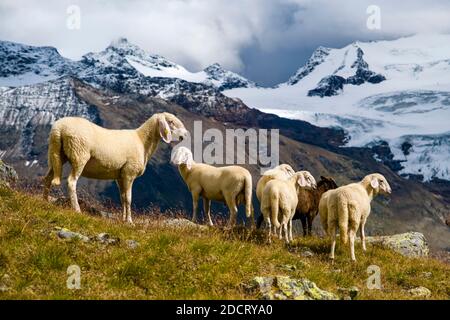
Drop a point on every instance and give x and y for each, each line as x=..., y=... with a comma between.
x=196, y=33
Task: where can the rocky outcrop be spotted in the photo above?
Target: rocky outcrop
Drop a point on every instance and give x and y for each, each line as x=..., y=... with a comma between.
x=181, y=223
x=67, y=234
x=410, y=244
x=420, y=292
x=316, y=59
x=328, y=86
x=224, y=79
x=7, y=174
x=286, y=288
x=334, y=84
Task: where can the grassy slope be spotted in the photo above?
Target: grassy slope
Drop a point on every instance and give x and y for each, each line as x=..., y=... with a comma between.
x=176, y=264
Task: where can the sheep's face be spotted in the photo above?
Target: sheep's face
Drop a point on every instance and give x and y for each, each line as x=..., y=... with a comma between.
x=379, y=183
x=305, y=180
x=182, y=155
x=171, y=128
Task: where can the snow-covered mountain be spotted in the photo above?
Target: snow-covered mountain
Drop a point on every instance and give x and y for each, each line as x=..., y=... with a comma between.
x=393, y=91
x=22, y=65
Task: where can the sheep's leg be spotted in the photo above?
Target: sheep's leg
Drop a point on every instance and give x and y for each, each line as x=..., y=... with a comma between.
x=195, y=197
x=363, y=236
x=128, y=186
x=122, y=199
x=207, y=209
x=310, y=221
x=304, y=226
x=231, y=203
x=47, y=184
x=352, y=234
x=286, y=233
x=332, y=234
x=268, y=225
x=291, y=238
x=72, y=185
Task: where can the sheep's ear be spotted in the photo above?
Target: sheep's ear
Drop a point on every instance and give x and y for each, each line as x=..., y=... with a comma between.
x=186, y=160
x=164, y=130
x=374, y=183
x=189, y=164
x=301, y=181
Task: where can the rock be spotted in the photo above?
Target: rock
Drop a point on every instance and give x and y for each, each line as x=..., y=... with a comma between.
x=307, y=253
x=420, y=292
x=5, y=283
x=286, y=288
x=410, y=244
x=107, y=215
x=288, y=267
x=4, y=288
x=349, y=293
x=183, y=223
x=132, y=244
x=7, y=174
x=106, y=238
x=65, y=233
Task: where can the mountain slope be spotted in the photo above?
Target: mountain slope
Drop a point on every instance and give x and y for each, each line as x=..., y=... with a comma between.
x=110, y=92
x=383, y=91
x=163, y=187
x=176, y=263
x=22, y=64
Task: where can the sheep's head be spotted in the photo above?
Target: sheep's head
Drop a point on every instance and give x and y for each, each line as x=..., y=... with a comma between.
x=326, y=183
x=171, y=128
x=378, y=183
x=284, y=169
x=182, y=155
x=305, y=179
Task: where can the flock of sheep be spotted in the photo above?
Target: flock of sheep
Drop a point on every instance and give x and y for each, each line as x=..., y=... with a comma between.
x=284, y=195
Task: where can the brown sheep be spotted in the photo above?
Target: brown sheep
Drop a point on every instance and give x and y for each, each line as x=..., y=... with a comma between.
x=308, y=202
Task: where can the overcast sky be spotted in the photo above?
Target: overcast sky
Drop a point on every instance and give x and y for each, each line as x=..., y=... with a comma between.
x=265, y=40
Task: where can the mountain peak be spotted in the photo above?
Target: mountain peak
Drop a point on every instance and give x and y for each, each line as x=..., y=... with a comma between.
x=119, y=42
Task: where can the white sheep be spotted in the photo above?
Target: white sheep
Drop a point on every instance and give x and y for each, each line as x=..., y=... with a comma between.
x=279, y=198
x=349, y=207
x=99, y=153
x=231, y=185
x=282, y=171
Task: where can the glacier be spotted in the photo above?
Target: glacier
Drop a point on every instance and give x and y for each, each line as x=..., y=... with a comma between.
x=407, y=104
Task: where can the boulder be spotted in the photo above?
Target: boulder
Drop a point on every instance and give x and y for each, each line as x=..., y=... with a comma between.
x=7, y=174
x=420, y=292
x=105, y=238
x=287, y=288
x=349, y=293
x=132, y=244
x=183, y=223
x=410, y=244
x=65, y=233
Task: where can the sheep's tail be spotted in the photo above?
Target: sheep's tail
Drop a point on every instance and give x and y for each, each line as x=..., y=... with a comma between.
x=274, y=204
x=54, y=155
x=248, y=197
x=343, y=216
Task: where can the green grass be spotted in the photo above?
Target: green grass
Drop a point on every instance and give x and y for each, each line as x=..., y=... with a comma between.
x=178, y=263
